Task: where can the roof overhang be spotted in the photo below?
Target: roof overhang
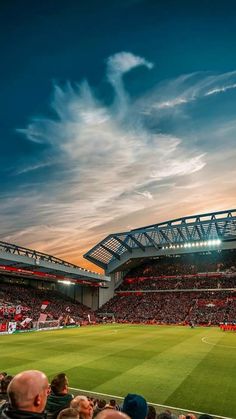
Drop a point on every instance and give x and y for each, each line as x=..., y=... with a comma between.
x=26, y=262
x=170, y=237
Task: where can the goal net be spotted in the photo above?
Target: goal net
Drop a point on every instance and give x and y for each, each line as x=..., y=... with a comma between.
x=47, y=324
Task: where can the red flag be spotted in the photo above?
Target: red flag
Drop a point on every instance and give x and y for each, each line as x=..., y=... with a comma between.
x=42, y=317
x=44, y=305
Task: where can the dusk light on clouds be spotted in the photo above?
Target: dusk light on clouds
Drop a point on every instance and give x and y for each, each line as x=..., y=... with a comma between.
x=131, y=144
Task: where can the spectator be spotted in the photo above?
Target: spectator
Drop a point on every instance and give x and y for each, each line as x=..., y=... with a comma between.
x=135, y=406
x=59, y=398
x=151, y=412
x=111, y=414
x=112, y=405
x=4, y=385
x=2, y=375
x=101, y=404
x=27, y=394
x=68, y=413
x=205, y=416
x=83, y=406
x=164, y=415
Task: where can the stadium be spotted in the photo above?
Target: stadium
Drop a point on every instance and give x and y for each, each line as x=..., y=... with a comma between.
x=160, y=322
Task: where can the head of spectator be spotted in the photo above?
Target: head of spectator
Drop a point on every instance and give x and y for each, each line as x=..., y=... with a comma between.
x=205, y=416
x=164, y=415
x=83, y=406
x=172, y=415
x=111, y=405
x=111, y=414
x=68, y=413
x=28, y=391
x=151, y=412
x=5, y=383
x=59, y=384
x=135, y=406
x=59, y=398
x=2, y=375
x=100, y=405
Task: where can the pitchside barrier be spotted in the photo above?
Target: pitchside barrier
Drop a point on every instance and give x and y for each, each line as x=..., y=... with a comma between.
x=38, y=327
x=159, y=407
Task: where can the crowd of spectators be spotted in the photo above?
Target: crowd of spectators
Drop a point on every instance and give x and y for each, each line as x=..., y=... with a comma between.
x=165, y=290
x=201, y=307
x=193, y=288
x=28, y=395
x=213, y=281
x=30, y=300
x=187, y=264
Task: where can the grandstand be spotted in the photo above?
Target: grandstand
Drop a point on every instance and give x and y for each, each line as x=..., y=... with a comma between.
x=179, y=271
x=189, y=261
x=28, y=277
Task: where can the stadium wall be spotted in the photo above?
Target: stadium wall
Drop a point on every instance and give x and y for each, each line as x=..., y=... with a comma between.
x=107, y=292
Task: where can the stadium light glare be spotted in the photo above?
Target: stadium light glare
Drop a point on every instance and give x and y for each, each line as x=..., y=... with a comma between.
x=66, y=282
x=211, y=242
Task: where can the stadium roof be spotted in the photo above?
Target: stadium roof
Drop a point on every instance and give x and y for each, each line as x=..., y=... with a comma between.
x=26, y=262
x=181, y=235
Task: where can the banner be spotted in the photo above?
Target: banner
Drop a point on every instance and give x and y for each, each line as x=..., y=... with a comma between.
x=44, y=305
x=11, y=327
x=18, y=309
x=26, y=321
x=42, y=317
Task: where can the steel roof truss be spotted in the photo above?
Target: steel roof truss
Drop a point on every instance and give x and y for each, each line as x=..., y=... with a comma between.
x=137, y=242
x=110, y=251
x=96, y=261
x=150, y=239
x=123, y=244
x=181, y=233
x=164, y=235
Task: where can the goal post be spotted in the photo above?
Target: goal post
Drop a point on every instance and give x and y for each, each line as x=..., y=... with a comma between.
x=47, y=324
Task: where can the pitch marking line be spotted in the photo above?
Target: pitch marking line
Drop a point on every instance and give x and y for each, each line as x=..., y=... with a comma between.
x=204, y=340
x=154, y=404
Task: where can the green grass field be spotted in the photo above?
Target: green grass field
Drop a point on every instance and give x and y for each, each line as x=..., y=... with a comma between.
x=186, y=368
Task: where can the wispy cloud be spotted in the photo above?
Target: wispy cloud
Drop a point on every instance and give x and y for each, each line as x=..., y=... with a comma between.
x=221, y=89
x=109, y=167
x=145, y=194
x=189, y=88
x=117, y=65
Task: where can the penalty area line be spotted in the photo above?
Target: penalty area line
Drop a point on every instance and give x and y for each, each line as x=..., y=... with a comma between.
x=204, y=340
x=153, y=404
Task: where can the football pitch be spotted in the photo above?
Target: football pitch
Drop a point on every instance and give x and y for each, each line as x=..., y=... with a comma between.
x=192, y=369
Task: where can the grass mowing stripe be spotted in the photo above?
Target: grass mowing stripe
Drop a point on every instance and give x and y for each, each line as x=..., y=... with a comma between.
x=156, y=361
x=161, y=374
x=211, y=385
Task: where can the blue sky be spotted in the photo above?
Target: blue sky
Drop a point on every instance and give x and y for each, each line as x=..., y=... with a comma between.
x=114, y=115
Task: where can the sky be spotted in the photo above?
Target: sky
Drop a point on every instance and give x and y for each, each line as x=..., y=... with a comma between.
x=113, y=115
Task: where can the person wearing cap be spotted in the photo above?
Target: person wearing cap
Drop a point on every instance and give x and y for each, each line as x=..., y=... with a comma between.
x=135, y=406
